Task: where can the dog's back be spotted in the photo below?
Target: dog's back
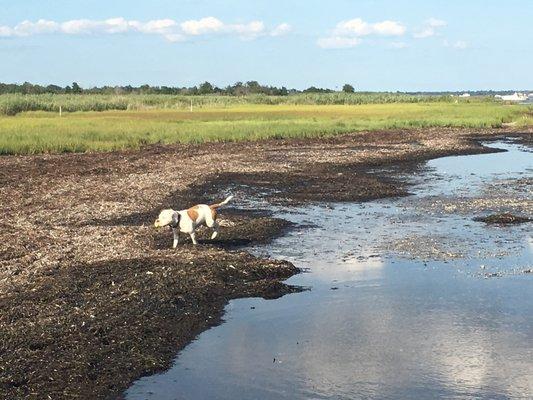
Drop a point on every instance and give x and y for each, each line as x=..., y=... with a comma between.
x=200, y=213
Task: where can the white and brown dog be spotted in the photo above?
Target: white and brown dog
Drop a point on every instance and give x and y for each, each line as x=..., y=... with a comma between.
x=188, y=220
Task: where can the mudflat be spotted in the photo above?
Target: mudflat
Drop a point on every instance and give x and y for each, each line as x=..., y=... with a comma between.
x=91, y=295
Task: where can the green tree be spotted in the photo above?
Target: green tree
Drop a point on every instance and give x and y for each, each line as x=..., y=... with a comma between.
x=205, y=88
x=253, y=87
x=347, y=88
x=76, y=88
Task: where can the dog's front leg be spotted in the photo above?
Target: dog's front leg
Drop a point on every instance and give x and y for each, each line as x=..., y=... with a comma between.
x=176, y=234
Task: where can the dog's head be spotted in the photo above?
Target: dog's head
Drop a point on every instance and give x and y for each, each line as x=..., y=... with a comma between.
x=167, y=217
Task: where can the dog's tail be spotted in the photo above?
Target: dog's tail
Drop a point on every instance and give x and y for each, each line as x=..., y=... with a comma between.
x=228, y=199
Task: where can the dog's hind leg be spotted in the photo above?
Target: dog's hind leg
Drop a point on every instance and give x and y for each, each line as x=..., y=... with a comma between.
x=211, y=222
x=215, y=230
x=193, y=238
x=176, y=234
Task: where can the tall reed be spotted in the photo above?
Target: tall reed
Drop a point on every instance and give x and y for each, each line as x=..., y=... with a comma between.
x=12, y=104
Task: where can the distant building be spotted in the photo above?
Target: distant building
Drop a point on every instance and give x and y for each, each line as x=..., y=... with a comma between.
x=465, y=95
x=513, y=97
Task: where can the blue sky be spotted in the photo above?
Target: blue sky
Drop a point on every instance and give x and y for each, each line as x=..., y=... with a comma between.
x=373, y=44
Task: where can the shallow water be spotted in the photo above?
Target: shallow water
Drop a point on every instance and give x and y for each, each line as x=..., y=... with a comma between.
x=378, y=322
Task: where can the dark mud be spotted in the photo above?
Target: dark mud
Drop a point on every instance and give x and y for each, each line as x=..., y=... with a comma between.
x=91, y=296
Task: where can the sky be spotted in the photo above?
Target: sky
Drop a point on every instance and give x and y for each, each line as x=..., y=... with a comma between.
x=404, y=45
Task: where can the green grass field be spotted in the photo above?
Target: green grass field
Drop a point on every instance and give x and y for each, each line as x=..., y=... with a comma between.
x=41, y=131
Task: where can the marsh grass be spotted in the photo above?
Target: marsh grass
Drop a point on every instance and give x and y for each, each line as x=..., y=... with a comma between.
x=39, y=132
x=12, y=104
x=526, y=118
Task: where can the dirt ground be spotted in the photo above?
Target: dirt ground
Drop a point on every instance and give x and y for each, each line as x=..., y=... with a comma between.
x=91, y=295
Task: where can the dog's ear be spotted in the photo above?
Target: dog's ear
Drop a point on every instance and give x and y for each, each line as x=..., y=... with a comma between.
x=175, y=219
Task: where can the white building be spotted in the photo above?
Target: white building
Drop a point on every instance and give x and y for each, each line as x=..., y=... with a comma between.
x=513, y=97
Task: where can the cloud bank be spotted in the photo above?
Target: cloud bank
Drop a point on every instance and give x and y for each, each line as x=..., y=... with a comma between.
x=169, y=29
x=344, y=35
x=281, y=29
x=348, y=33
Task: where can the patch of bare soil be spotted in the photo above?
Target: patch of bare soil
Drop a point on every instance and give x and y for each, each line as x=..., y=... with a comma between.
x=91, y=296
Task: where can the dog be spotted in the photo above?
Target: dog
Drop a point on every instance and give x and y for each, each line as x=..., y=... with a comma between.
x=188, y=220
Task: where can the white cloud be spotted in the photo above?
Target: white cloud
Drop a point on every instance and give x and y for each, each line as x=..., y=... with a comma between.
x=436, y=23
x=424, y=33
x=175, y=37
x=281, y=29
x=338, y=42
x=156, y=27
x=358, y=27
x=211, y=25
x=202, y=26
x=429, y=28
x=388, y=28
x=6, y=31
x=83, y=26
x=169, y=29
x=116, y=25
x=27, y=28
x=347, y=34
x=355, y=27
x=248, y=31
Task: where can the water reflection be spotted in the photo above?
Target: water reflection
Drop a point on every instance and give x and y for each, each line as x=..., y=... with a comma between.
x=374, y=325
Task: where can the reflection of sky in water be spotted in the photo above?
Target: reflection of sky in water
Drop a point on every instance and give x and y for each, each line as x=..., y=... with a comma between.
x=392, y=328
x=463, y=174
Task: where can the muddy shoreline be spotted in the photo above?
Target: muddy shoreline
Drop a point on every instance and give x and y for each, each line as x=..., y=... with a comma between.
x=91, y=296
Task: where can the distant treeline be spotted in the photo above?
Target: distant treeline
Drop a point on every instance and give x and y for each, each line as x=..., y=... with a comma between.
x=206, y=88
x=237, y=89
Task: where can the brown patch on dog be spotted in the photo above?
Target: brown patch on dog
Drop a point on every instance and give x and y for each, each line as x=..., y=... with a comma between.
x=192, y=213
x=213, y=213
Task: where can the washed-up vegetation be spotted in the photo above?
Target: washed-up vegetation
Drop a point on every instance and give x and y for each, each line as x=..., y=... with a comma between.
x=503, y=218
x=143, y=120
